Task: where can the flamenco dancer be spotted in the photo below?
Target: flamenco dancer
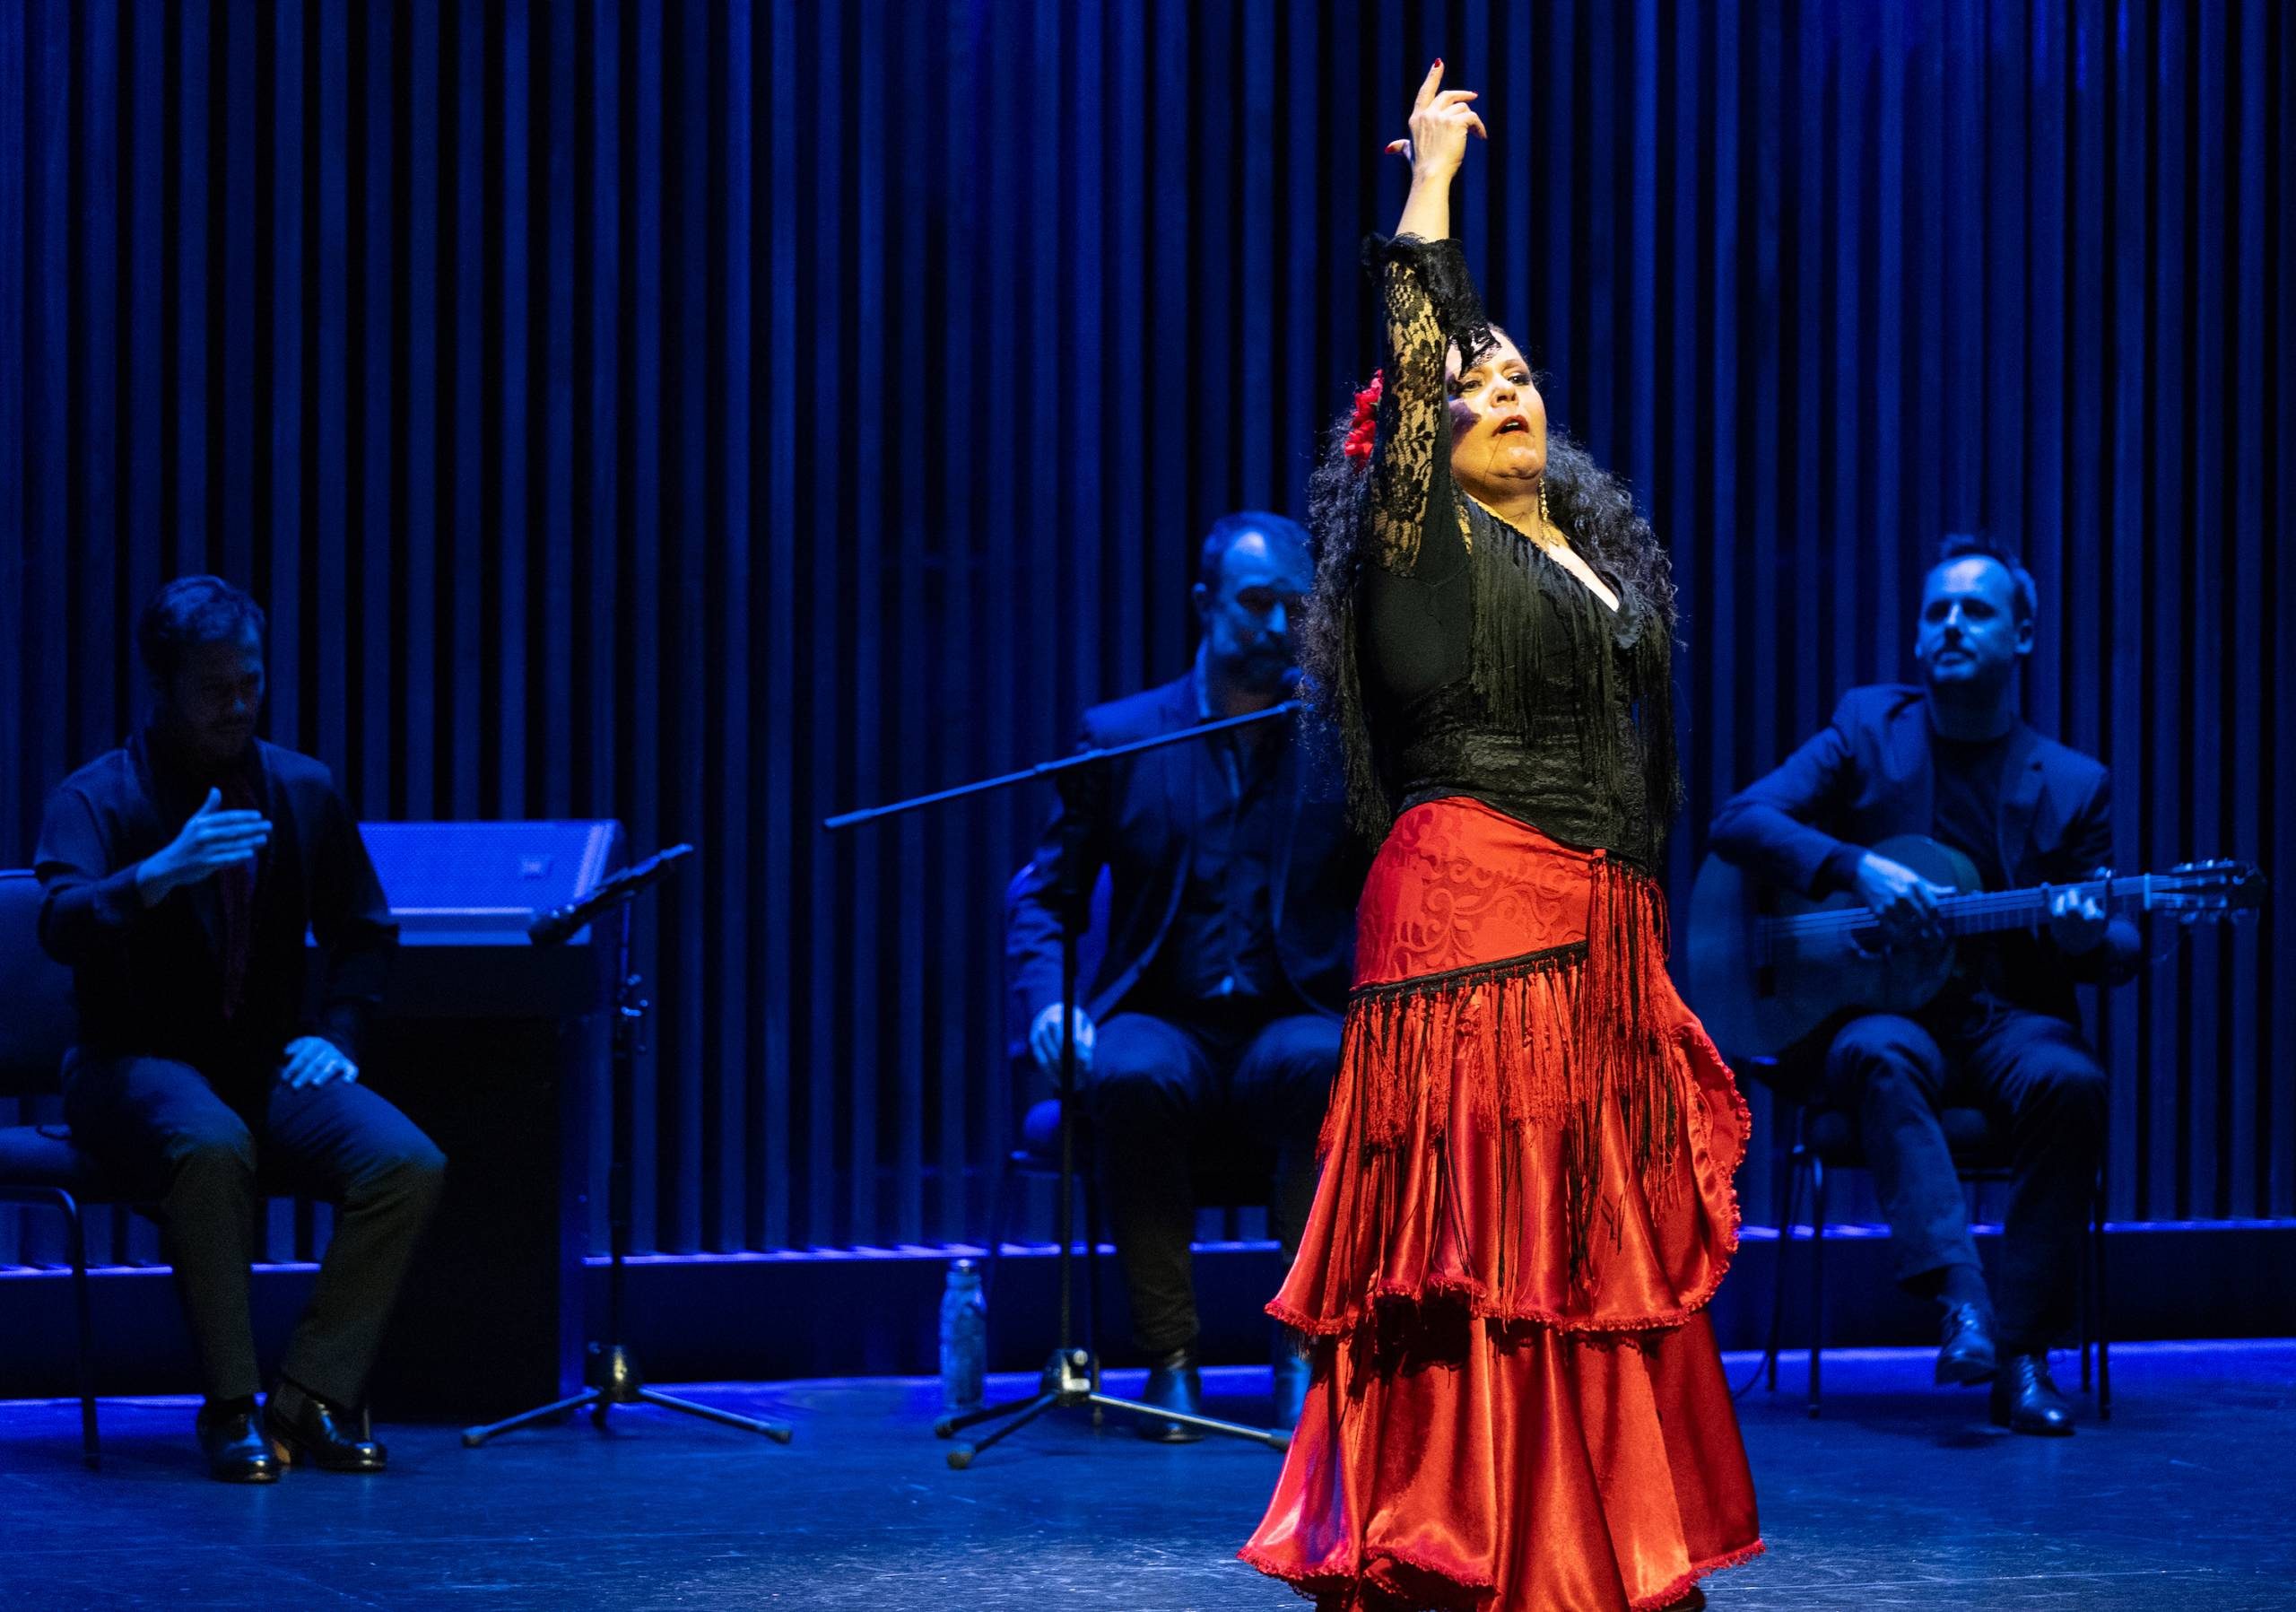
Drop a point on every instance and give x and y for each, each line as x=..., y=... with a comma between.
x=1526, y=1204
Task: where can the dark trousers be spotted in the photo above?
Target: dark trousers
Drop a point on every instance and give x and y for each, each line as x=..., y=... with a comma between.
x=2035, y=1075
x=155, y=1120
x=1161, y=1087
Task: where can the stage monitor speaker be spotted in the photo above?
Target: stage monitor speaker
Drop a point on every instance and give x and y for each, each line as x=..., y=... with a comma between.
x=497, y=1048
x=472, y=880
x=463, y=893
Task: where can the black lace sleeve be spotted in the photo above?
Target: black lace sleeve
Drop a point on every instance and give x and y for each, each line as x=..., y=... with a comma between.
x=1430, y=306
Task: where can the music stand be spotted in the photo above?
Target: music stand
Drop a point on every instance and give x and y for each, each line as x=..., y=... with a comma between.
x=1071, y=1378
x=613, y=1375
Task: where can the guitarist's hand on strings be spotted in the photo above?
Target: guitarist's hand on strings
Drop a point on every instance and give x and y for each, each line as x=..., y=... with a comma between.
x=1903, y=901
x=2076, y=921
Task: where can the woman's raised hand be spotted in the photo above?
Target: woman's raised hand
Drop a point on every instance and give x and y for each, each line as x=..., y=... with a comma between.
x=1440, y=121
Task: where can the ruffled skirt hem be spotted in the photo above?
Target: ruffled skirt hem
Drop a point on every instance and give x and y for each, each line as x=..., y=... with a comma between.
x=1338, y=1593
x=1448, y=1464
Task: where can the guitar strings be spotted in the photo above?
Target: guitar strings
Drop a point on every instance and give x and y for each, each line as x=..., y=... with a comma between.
x=2017, y=906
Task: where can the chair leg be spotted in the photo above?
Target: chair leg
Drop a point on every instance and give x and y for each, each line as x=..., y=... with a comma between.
x=2104, y=1321
x=1793, y=1195
x=999, y=1219
x=1090, y=1186
x=2085, y=1290
x=1000, y=1225
x=76, y=1245
x=1817, y=1277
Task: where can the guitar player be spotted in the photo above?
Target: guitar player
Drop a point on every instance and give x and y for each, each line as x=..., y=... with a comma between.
x=1951, y=759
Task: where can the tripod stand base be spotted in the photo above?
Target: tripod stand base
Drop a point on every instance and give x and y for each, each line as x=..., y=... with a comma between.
x=614, y=1380
x=1067, y=1382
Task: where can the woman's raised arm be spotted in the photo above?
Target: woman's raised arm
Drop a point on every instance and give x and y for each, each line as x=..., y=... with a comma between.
x=1430, y=304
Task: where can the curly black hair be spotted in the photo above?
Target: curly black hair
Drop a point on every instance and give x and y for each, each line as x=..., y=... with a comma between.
x=1593, y=507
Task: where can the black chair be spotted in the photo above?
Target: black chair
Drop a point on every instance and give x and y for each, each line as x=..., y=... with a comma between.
x=1826, y=1139
x=1226, y=1175
x=40, y=1165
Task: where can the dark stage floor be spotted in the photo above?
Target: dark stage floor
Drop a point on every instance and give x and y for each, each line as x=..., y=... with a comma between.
x=1902, y=1497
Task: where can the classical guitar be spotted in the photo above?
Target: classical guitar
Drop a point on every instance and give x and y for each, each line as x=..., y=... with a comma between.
x=1768, y=966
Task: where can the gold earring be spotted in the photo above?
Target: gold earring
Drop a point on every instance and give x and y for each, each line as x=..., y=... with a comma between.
x=1544, y=518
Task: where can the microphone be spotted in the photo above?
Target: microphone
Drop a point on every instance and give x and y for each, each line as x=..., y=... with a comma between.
x=553, y=927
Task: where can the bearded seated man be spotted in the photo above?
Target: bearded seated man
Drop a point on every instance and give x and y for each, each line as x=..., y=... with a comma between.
x=1232, y=888
x=181, y=875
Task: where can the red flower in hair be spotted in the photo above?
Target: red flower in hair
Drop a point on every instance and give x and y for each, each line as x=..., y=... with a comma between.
x=1364, y=429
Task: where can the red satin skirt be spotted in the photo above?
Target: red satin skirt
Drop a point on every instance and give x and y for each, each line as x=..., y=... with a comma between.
x=1526, y=1204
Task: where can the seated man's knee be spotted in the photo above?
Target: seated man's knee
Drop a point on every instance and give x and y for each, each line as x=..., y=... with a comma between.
x=1302, y=1053
x=1876, y=1049
x=217, y=1146
x=414, y=1171
x=425, y=1169
x=2070, y=1085
x=1137, y=1065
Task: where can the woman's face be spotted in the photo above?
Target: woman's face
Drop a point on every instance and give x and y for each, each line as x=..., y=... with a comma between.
x=1498, y=425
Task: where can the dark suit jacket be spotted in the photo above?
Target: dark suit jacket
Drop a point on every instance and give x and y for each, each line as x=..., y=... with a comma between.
x=150, y=980
x=1137, y=821
x=1866, y=777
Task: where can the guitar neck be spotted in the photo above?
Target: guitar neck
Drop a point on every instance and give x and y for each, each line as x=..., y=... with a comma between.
x=1985, y=912
x=1980, y=912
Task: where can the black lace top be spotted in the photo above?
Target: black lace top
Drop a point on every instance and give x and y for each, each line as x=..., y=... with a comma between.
x=1475, y=664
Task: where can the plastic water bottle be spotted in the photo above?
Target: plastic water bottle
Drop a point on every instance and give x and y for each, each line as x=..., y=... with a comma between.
x=964, y=1338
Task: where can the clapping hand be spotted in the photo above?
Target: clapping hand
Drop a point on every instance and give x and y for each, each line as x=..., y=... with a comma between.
x=211, y=840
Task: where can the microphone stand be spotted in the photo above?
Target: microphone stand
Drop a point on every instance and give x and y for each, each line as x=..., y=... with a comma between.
x=613, y=1375
x=1071, y=1378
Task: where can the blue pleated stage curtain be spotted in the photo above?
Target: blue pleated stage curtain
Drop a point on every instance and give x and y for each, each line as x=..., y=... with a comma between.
x=716, y=415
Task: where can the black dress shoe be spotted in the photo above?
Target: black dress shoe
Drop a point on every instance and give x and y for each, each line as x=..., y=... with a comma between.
x=234, y=1446
x=1292, y=1367
x=2025, y=1399
x=1174, y=1383
x=1967, y=1356
x=303, y=1427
